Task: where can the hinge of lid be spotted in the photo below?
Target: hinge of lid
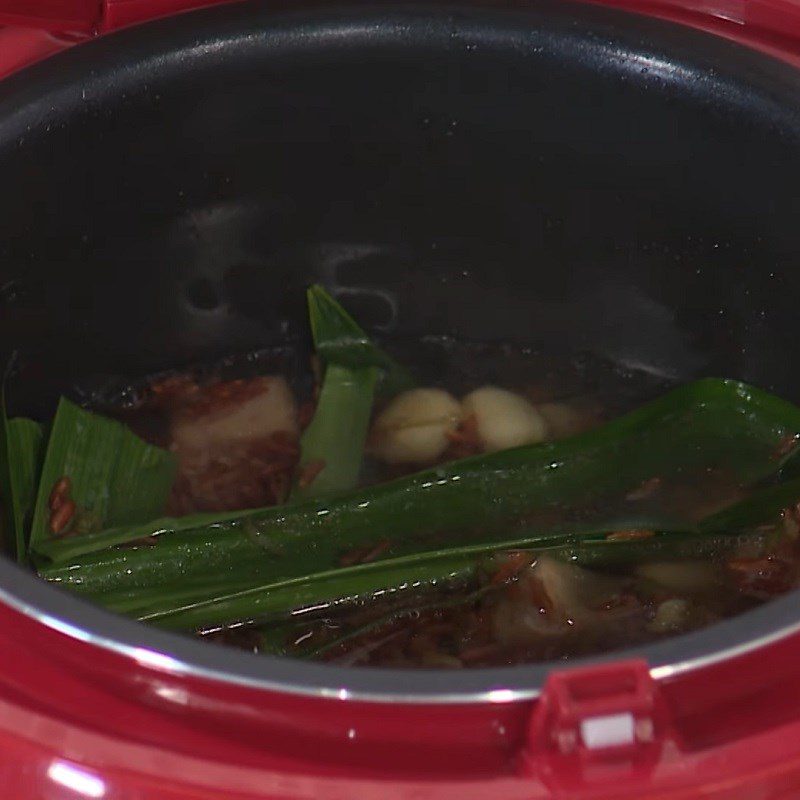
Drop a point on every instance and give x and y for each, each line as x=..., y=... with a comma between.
x=593, y=723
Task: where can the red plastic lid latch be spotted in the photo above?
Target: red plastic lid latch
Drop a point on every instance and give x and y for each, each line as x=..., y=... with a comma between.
x=593, y=723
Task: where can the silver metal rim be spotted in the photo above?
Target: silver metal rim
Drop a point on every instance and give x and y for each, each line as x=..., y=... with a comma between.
x=183, y=656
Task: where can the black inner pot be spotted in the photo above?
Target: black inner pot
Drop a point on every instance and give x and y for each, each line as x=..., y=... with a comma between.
x=560, y=175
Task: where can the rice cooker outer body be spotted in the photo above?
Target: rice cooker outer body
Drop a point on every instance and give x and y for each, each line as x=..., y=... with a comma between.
x=77, y=721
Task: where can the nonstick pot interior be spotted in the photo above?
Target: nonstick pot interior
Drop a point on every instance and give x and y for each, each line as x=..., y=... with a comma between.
x=561, y=176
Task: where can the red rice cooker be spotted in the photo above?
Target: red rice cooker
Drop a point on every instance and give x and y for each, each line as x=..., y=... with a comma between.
x=97, y=707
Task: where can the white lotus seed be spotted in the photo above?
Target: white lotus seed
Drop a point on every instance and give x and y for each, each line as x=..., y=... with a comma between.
x=413, y=428
x=503, y=419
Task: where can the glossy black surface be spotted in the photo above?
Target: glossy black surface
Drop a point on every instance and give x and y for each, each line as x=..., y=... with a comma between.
x=558, y=175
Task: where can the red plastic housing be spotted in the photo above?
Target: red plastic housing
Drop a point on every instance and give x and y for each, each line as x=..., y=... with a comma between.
x=78, y=722
x=772, y=26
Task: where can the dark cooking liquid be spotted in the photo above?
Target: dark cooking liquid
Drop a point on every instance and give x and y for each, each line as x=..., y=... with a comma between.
x=507, y=613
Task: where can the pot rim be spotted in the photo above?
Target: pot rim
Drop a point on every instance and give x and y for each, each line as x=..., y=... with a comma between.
x=183, y=656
